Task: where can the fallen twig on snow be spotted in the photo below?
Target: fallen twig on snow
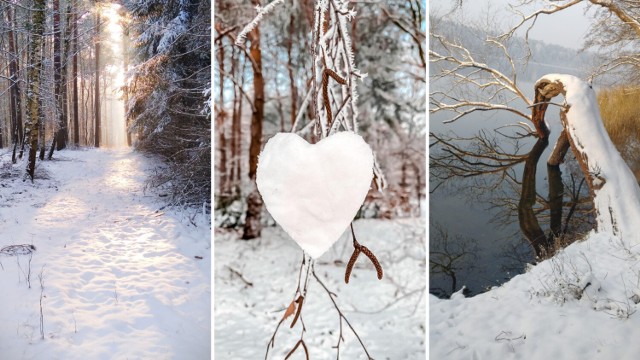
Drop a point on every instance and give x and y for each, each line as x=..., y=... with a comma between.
x=239, y=274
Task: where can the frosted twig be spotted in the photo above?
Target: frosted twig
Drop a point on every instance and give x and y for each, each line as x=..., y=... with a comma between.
x=261, y=12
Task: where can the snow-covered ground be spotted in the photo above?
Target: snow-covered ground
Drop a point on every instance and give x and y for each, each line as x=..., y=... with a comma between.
x=580, y=304
x=121, y=278
x=388, y=314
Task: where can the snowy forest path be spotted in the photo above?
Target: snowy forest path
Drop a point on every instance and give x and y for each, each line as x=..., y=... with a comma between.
x=121, y=279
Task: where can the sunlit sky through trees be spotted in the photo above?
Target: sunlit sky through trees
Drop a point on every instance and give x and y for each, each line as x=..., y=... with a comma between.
x=114, y=134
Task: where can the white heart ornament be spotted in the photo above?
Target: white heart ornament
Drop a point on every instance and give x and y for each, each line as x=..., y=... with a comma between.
x=314, y=191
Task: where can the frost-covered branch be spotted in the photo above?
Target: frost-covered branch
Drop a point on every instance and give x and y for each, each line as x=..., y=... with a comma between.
x=333, y=54
x=252, y=25
x=480, y=87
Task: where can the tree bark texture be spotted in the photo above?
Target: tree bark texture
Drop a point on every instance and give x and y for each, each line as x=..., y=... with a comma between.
x=560, y=150
x=96, y=93
x=74, y=75
x=14, y=93
x=33, y=93
x=556, y=194
x=57, y=77
x=63, y=134
x=125, y=91
x=252, y=226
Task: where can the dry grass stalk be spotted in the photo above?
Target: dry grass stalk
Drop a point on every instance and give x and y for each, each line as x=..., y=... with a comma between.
x=620, y=112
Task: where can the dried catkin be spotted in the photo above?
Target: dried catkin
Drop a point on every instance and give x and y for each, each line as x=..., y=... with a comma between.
x=325, y=91
x=335, y=76
x=351, y=263
x=373, y=259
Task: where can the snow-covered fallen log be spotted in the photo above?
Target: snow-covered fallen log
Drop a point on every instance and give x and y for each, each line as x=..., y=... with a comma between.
x=615, y=192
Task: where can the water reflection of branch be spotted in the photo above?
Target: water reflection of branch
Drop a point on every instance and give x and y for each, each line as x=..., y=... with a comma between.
x=528, y=221
x=450, y=254
x=529, y=218
x=485, y=156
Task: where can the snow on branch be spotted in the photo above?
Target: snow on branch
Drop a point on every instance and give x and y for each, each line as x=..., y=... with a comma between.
x=252, y=25
x=333, y=54
x=615, y=191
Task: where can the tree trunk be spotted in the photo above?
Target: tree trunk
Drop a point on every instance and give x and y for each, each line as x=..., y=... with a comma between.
x=560, y=150
x=556, y=194
x=252, y=227
x=294, y=89
x=234, y=177
x=238, y=153
x=125, y=92
x=63, y=134
x=41, y=141
x=613, y=187
x=96, y=90
x=14, y=93
x=74, y=75
x=33, y=94
x=220, y=120
x=58, y=137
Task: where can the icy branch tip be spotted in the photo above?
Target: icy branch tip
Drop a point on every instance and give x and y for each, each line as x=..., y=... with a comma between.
x=252, y=25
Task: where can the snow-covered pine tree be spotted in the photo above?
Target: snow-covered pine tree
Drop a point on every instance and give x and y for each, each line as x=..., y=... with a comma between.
x=169, y=91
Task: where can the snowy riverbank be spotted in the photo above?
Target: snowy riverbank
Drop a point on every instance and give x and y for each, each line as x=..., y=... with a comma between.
x=580, y=304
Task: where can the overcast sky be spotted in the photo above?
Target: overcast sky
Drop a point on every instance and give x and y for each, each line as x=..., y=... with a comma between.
x=566, y=28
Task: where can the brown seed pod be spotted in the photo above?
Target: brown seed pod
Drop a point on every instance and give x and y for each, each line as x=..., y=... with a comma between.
x=335, y=76
x=352, y=262
x=325, y=91
x=373, y=259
